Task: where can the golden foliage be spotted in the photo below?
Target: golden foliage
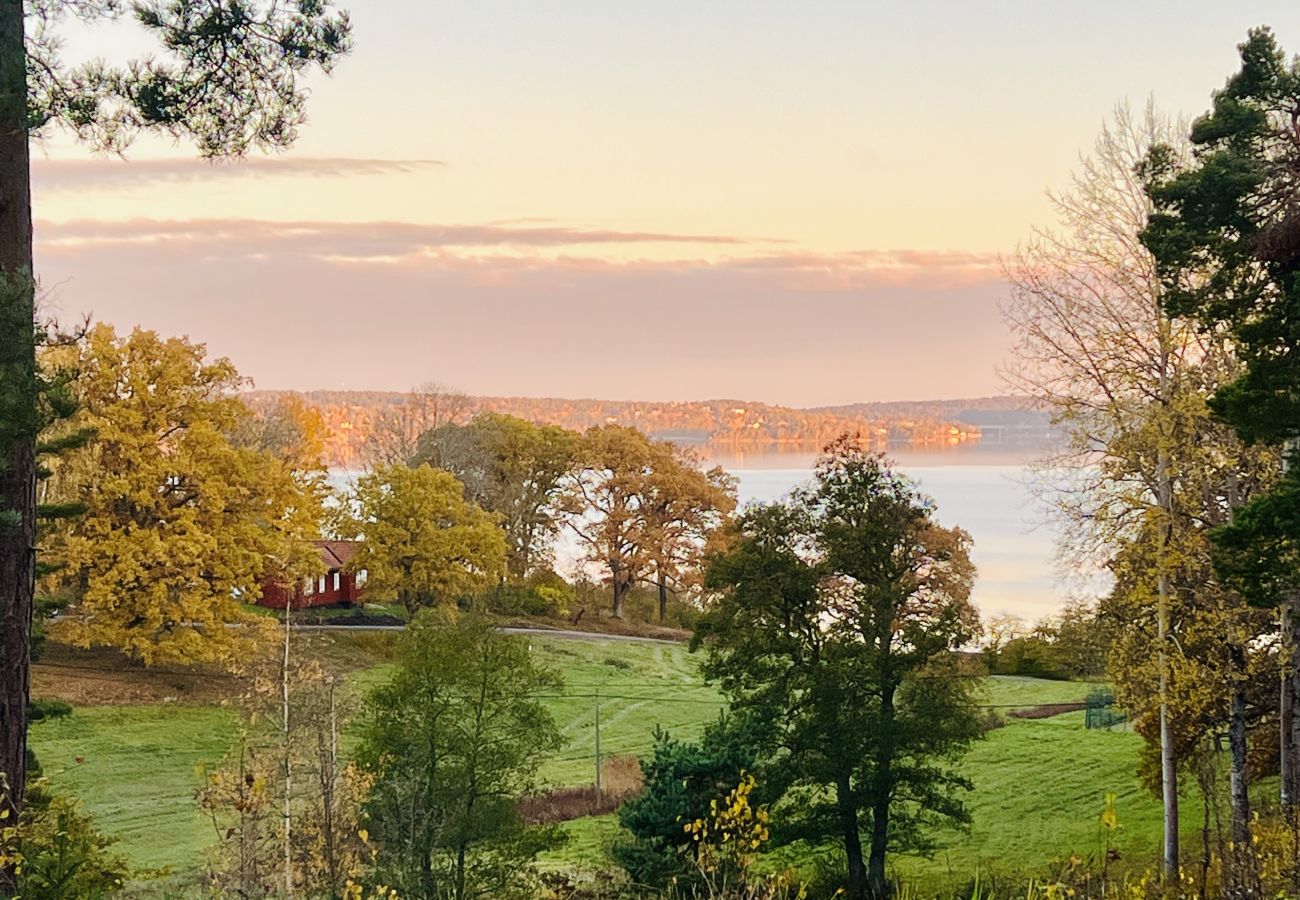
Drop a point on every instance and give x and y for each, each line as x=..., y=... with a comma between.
x=423, y=542
x=180, y=521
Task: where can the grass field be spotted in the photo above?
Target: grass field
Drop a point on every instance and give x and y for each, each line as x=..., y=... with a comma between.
x=1039, y=789
x=1039, y=784
x=137, y=773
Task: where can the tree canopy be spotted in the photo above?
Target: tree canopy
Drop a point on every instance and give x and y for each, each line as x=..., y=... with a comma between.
x=837, y=615
x=420, y=539
x=513, y=469
x=228, y=78
x=452, y=741
x=179, y=522
x=641, y=508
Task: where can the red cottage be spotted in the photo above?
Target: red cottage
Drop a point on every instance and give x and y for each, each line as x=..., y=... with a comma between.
x=336, y=586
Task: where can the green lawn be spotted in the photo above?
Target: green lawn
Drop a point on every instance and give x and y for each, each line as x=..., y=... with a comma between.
x=637, y=686
x=138, y=773
x=1039, y=784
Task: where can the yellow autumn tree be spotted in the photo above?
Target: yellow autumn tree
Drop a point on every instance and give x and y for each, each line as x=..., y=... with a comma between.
x=421, y=541
x=182, y=519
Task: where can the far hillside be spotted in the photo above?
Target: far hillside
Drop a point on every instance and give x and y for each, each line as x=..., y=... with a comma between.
x=352, y=418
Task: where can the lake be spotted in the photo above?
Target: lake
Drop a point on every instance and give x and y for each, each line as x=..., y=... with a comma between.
x=982, y=490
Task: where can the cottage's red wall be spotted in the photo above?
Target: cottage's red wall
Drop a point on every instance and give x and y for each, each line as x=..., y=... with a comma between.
x=275, y=595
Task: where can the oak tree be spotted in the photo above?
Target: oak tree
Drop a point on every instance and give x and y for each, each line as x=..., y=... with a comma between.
x=179, y=522
x=642, y=509
x=604, y=503
x=229, y=77
x=421, y=541
x=685, y=509
x=513, y=469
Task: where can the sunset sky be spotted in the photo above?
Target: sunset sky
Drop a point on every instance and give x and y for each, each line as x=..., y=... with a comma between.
x=795, y=203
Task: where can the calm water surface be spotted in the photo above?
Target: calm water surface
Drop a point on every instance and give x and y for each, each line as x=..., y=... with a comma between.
x=990, y=497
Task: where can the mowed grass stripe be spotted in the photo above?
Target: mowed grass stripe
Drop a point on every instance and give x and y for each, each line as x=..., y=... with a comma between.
x=138, y=773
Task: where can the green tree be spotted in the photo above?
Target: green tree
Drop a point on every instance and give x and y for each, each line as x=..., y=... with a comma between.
x=603, y=503
x=685, y=508
x=178, y=522
x=1226, y=237
x=421, y=540
x=452, y=742
x=681, y=779
x=1083, y=639
x=511, y=468
x=63, y=855
x=229, y=78
x=835, y=625
x=1143, y=461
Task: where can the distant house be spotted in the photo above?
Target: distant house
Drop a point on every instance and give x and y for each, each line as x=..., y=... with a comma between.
x=336, y=586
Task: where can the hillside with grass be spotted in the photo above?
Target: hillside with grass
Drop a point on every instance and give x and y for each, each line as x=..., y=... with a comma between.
x=134, y=744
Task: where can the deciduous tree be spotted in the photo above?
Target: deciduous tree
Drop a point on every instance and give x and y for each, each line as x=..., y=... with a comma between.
x=642, y=509
x=178, y=522
x=511, y=468
x=604, y=503
x=684, y=508
x=452, y=741
x=229, y=78
x=837, y=617
x=394, y=437
x=1127, y=382
x=1226, y=236
x=421, y=541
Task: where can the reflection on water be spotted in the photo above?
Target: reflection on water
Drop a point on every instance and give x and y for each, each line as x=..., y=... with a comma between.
x=1018, y=450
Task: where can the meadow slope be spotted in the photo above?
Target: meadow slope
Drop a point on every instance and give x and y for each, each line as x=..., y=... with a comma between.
x=1039, y=785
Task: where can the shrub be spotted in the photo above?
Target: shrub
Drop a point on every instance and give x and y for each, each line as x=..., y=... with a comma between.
x=47, y=709
x=1032, y=656
x=681, y=781
x=63, y=855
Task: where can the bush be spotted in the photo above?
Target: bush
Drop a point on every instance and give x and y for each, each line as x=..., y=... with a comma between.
x=47, y=709
x=63, y=855
x=541, y=594
x=681, y=781
x=1032, y=656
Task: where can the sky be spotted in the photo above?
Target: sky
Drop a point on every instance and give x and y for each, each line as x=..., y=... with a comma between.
x=804, y=204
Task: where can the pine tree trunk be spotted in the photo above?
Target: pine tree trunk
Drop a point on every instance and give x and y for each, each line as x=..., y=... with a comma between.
x=856, y=886
x=17, y=407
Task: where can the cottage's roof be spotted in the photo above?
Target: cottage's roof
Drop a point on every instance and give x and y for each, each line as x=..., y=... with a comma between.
x=335, y=554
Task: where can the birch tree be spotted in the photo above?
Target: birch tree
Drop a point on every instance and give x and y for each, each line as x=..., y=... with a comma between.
x=1226, y=234
x=1141, y=462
